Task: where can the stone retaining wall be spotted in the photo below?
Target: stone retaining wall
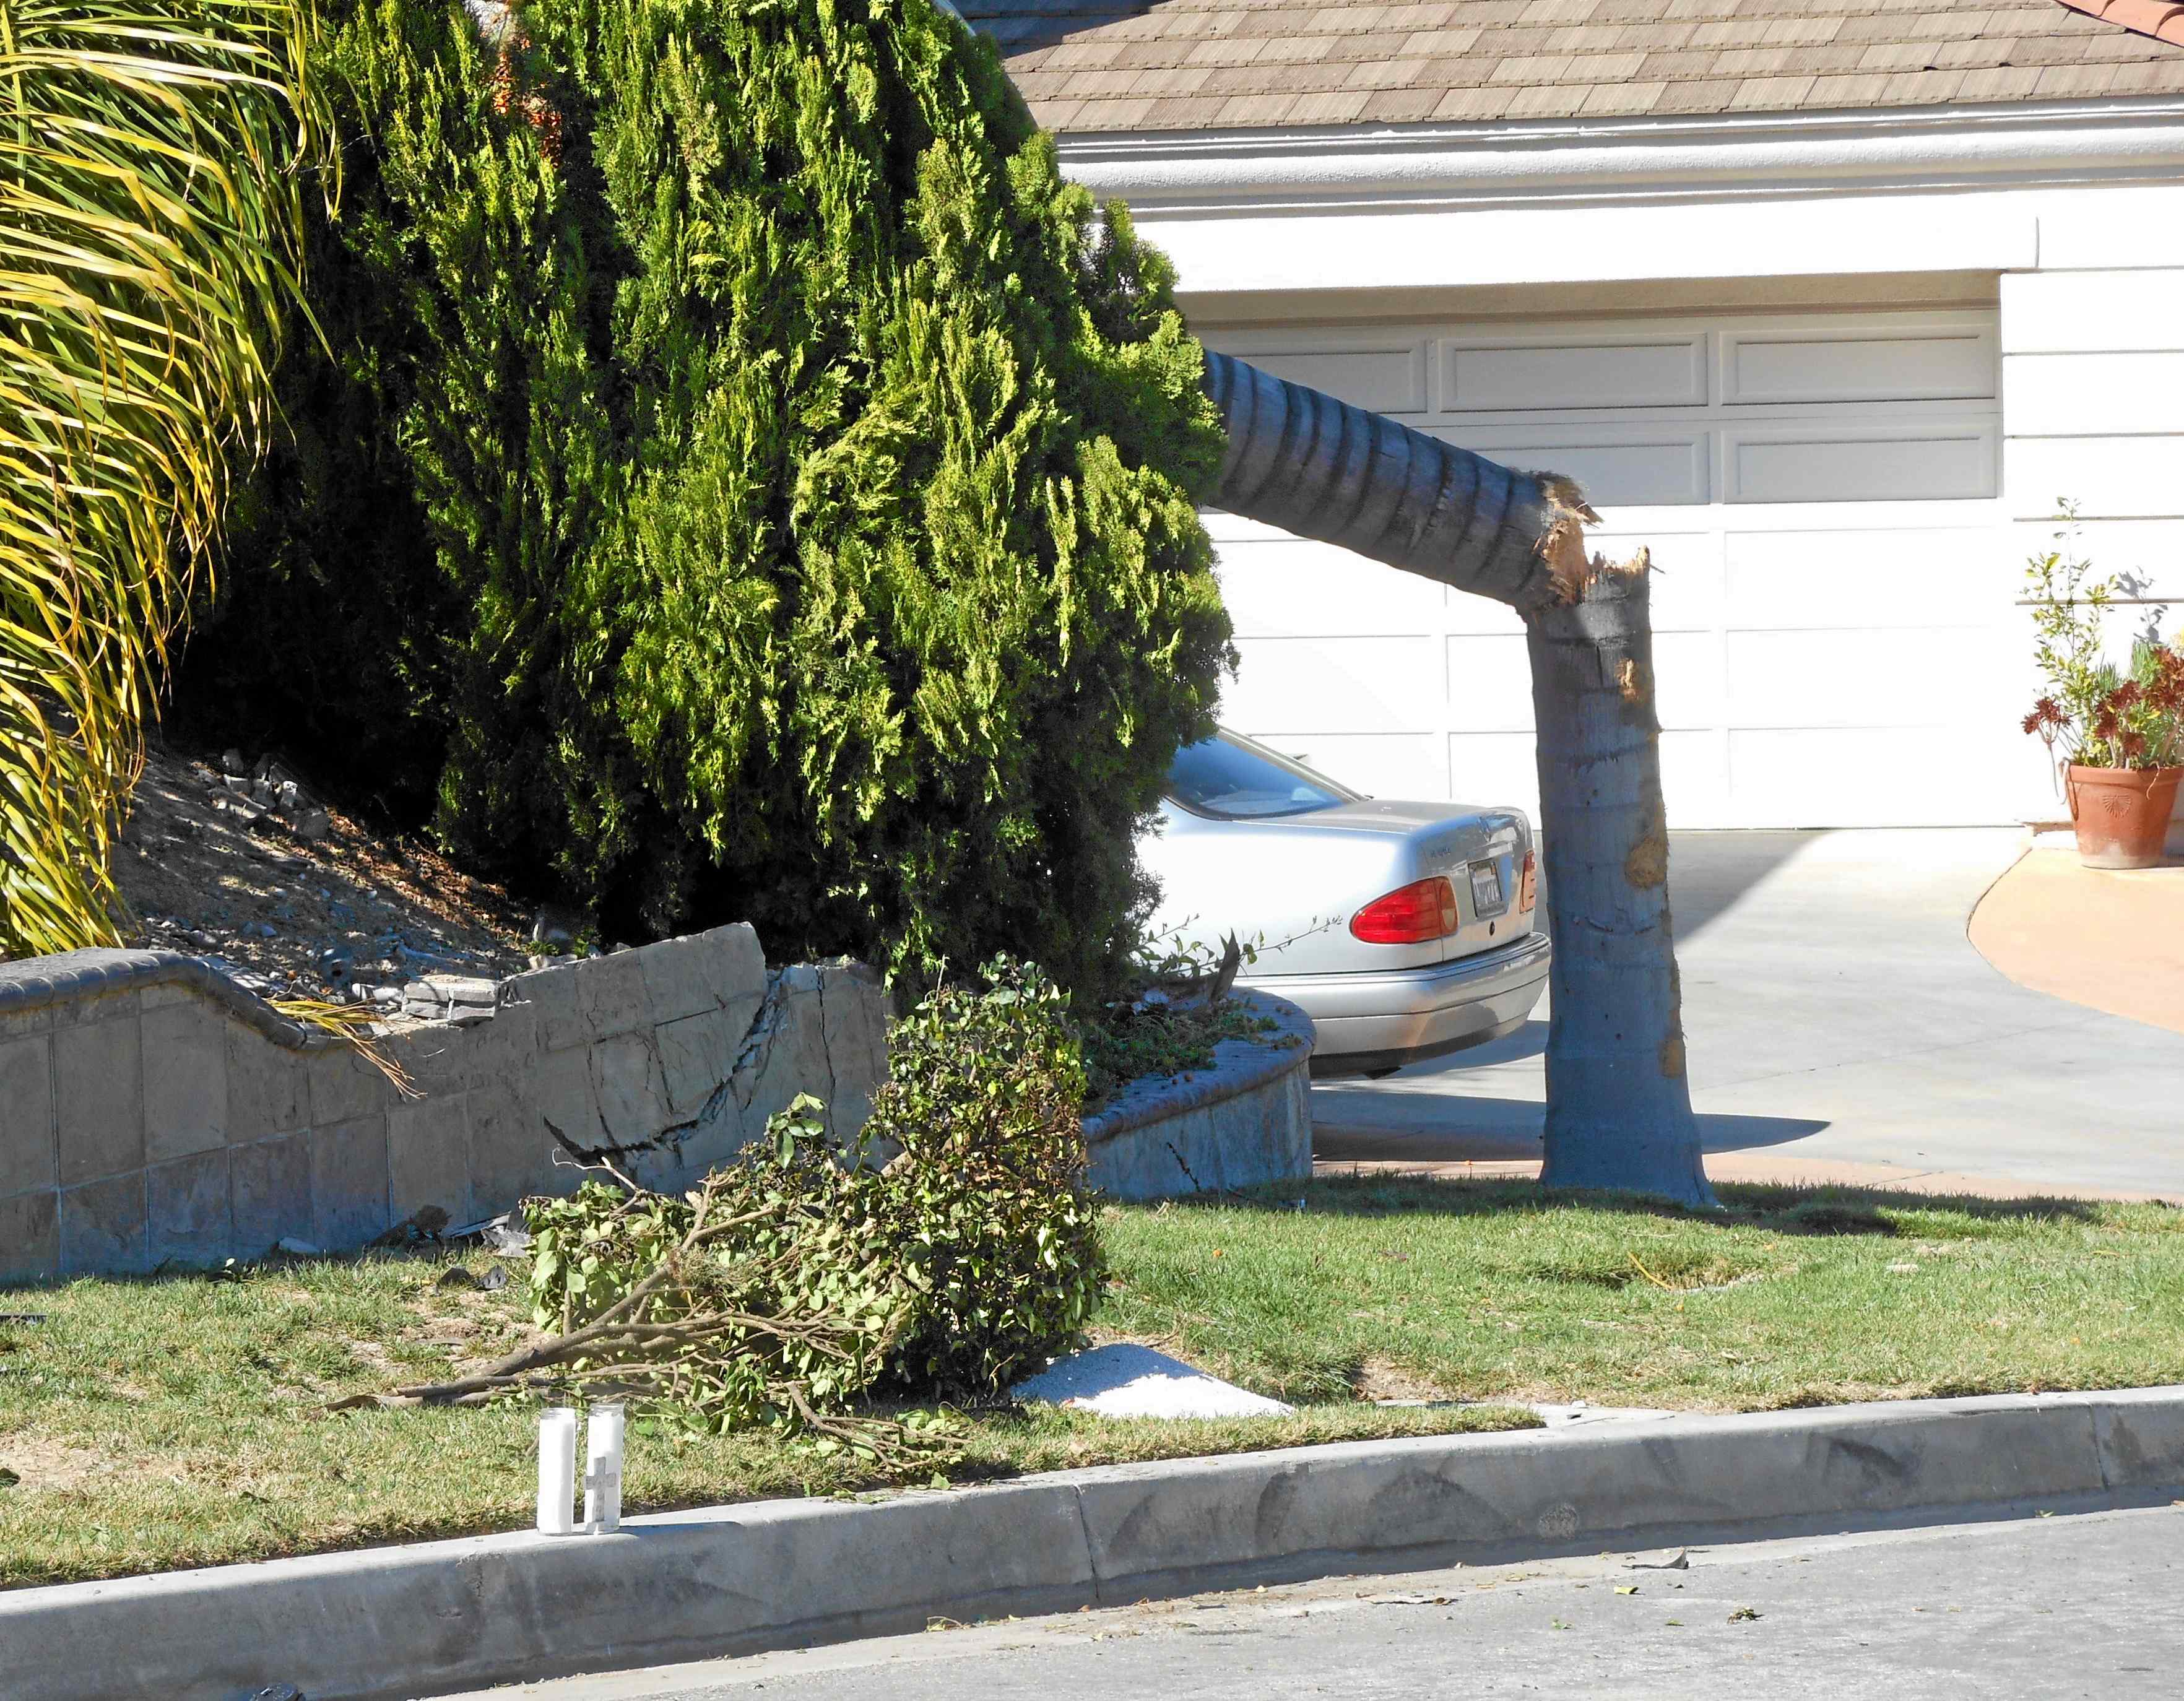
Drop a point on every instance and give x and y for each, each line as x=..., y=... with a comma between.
x=1245, y=1121
x=153, y=1113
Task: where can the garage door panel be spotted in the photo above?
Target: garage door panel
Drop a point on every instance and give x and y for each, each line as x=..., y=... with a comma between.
x=1835, y=642
x=1397, y=765
x=1494, y=767
x=1615, y=466
x=1937, y=363
x=1353, y=684
x=1480, y=616
x=1227, y=529
x=1695, y=778
x=1687, y=588
x=1490, y=683
x=1300, y=589
x=1862, y=776
x=1912, y=677
x=1496, y=376
x=1688, y=685
x=1390, y=378
x=1825, y=463
x=1503, y=767
x=1808, y=578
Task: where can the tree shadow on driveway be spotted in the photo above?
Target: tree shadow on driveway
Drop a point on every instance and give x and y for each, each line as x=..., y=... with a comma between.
x=1467, y=1129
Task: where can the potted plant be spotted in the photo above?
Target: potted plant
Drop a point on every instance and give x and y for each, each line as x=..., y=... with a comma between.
x=2121, y=732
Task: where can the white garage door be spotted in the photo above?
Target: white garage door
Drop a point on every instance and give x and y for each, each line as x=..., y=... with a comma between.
x=1837, y=639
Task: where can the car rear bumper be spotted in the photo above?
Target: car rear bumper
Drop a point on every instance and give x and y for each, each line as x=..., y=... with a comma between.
x=1370, y=1022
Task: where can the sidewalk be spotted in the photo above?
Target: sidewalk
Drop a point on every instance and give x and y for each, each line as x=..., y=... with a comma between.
x=2110, y=940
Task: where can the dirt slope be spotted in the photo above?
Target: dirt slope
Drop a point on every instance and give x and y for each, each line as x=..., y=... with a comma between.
x=294, y=898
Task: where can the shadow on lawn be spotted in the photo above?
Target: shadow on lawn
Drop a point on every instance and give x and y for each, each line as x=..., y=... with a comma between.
x=1784, y=1210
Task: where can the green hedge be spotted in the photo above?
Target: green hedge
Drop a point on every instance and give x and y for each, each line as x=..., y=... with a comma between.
x=747, y=481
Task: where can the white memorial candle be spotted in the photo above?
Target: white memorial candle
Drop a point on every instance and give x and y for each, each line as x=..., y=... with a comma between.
x=557, y=1471
x=603, y=1437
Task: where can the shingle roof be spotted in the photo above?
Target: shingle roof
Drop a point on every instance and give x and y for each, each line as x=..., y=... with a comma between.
x=1090, y=65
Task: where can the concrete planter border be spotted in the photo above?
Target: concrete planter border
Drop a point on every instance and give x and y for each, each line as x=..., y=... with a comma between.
x=1245, y=1121
x=32, y=987
x=447, y=1615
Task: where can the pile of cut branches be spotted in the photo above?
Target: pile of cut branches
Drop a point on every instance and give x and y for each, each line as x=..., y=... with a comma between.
x=797, y=1278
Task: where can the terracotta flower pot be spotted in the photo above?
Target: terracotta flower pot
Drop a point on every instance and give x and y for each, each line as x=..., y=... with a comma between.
x=2122, y=813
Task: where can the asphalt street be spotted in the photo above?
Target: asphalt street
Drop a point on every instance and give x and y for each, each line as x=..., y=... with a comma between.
x=2075, y=1604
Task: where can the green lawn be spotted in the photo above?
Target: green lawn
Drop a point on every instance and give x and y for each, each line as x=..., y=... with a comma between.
x=182, y=1421
x=1789, y=1298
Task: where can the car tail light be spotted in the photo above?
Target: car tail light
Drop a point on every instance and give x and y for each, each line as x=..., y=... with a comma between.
x=1414, y=914
x=1527, y=882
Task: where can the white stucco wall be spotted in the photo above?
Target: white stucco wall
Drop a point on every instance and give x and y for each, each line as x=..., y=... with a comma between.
x=2092, y=362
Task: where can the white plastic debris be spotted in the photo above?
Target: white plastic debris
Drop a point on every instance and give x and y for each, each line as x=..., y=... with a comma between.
x=1127, y=1380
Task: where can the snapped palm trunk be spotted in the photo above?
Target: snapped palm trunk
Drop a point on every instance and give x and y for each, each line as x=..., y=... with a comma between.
x=1618, y=1105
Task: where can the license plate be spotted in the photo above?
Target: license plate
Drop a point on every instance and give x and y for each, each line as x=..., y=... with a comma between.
x=1487, y=899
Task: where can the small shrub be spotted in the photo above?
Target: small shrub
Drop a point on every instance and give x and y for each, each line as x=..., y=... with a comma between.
x=996, y=1225
x=1133, y=1042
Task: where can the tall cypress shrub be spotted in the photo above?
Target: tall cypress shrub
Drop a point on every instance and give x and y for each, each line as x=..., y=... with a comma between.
x=807, y=474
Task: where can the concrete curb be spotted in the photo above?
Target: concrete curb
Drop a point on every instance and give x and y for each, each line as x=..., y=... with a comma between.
x=443, y=1616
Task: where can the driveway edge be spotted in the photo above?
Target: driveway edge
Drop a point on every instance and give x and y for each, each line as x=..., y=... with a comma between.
x=444, y=1615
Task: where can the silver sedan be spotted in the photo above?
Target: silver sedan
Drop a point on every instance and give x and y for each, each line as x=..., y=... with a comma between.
x=1405, y=930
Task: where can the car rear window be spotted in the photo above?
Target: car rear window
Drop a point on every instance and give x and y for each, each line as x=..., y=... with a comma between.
x=1233, y=781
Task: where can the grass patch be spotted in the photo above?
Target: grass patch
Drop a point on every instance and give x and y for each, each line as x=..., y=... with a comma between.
x=181, y=1421
x=1788, y=1297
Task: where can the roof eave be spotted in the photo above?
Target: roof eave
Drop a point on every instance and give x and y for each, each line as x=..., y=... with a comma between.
x=2016, y=143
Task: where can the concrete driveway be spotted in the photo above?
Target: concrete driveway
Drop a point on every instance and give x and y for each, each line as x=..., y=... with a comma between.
x=1840, y=1027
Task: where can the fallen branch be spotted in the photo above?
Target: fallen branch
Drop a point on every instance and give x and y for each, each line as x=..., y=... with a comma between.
x=701, y=1317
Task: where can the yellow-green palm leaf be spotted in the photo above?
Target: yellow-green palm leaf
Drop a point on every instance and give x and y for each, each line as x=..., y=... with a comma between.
x=152, y=161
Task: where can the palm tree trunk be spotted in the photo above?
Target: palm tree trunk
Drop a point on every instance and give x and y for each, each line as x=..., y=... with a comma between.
x=1618, y=1107
x=1300, y=460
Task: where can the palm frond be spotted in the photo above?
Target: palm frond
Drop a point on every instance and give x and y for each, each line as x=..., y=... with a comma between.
x=153, y=156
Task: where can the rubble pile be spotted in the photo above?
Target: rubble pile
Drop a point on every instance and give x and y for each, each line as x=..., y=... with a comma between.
x=236, y=863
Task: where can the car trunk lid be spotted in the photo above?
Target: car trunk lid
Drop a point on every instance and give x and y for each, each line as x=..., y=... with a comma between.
x=1480, y=852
